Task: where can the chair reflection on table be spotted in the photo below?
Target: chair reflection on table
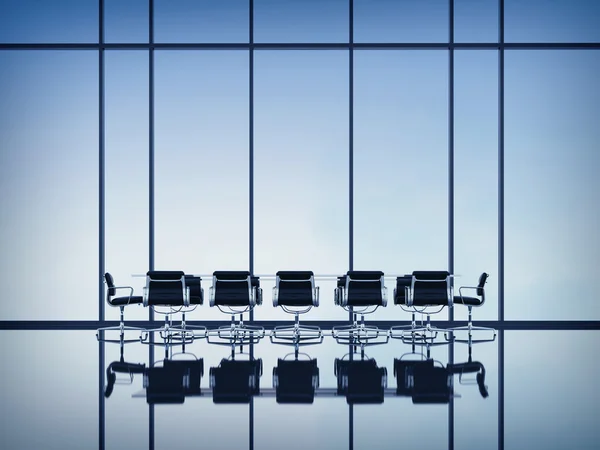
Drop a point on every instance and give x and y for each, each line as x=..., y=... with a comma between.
x=121, y=372
x=426, y=380
x=236, y=380
x=361, y=381
x=235, y=292
x=295, y=380
x=174, y=380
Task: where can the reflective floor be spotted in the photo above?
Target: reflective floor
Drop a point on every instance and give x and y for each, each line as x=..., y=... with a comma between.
x=540, y=391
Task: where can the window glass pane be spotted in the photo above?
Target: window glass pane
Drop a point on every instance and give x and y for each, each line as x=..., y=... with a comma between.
x=301, y=21
x=405, y=21
x=476, y=177
x=201, y=21
x=27, y=21
x=201, y=163
x=126, y=21
x=326, y=421
x=551, y=21
x=49, y=184
x=121, y=407
x=301, y=169
x=552, y=189
x=126, y=173
x=50, y=387
x=417, y=432
x=400, y=164
x=206, y=424
x=476, y=416
x=476, y=20
x=550, y=380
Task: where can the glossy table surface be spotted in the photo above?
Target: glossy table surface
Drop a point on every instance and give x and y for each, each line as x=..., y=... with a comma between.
x=543, y=393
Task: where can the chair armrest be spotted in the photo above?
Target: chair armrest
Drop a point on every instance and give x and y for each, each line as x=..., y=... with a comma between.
x=124, y=287
x=475, y=288
x=316, y=294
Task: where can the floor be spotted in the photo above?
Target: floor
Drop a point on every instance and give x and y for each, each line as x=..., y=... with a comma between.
x=542, y=385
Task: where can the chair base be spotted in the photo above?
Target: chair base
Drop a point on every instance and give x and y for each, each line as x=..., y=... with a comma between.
x=469, y=329
x=169, y=335
x=359, y=334
x=185, y=332
x=296, y=335
x=235, y=335
x=122, y=329
x=406, y=332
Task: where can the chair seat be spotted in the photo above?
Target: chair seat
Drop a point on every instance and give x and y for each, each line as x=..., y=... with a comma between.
x=122, y=301
x=470, y=301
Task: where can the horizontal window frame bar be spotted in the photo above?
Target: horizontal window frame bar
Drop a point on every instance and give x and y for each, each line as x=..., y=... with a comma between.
x=307, y=46
x=557, y=325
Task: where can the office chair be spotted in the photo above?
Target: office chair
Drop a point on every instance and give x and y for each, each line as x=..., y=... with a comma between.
x=361, y=292
x=295, y=293
x=236, y=293
x=476, y=301
x=167, y=289
x=236, y=381
x=360, y=380
x=428, y=289
x=295, y=380
x=121, y=303
x=184, y=331
x=402, y=297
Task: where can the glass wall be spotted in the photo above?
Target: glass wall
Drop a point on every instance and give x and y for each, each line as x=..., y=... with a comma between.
x=49, y=184
x=300, y=135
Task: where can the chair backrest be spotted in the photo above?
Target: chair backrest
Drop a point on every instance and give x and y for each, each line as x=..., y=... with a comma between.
x=402, y=283
x=431, y=384
x=166, y=384
x=165, y=288
x=110, y=283
x=480, y=286
x=361, y=381
x=295, y=289
x=431, y=288
x=296, y=380
x=195, y=288
x=233, y=288
x=404, y=373
x=235, y=381
x=194, y=369
x=364, y=288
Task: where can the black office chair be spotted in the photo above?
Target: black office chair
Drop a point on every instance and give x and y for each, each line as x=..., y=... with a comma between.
x=402, y=297
x=167, y=289
x=296, y=293
x=476, y=301
x=236, y=381
x=184, y=331
x=295, y=380
x=428, y=289
x=121, y=303
x=235, y=292
x=360, y=380
x=361, y=292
